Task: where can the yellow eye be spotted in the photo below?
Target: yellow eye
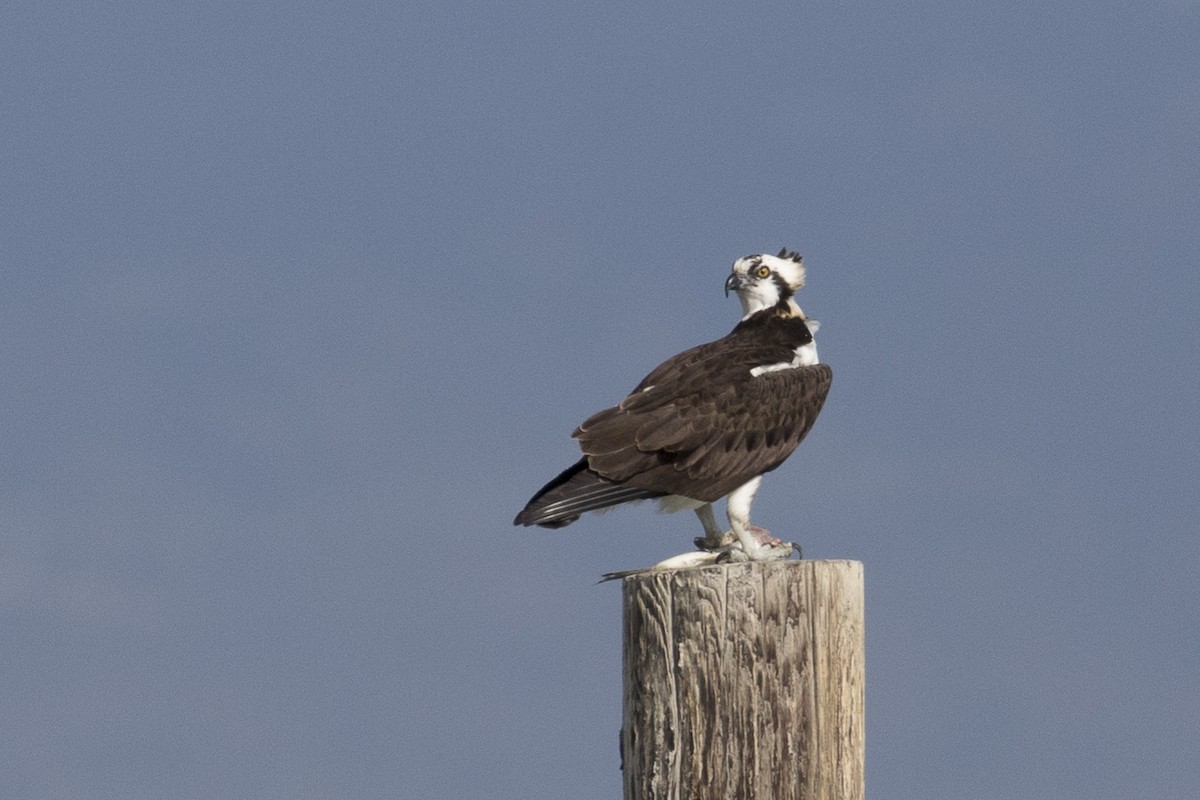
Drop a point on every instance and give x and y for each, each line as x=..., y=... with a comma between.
x=762, y=272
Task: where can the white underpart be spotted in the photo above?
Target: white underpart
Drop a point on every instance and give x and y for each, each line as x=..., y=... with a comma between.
x=677, y=502
x=737, y=507
x=806, y=356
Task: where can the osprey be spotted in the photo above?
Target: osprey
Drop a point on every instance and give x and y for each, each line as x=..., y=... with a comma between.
x=707, y=423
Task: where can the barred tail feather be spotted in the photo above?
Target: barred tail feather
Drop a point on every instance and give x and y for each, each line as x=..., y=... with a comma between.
x=575, y=490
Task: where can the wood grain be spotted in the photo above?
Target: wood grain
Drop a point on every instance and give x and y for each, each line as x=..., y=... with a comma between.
x=744, y=681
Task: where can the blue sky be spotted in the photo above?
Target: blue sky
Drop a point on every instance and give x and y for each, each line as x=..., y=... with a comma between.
x=300, y=305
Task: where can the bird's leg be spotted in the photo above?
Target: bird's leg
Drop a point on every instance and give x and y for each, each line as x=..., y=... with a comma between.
x=714, y=538
x=737, y=507
x=756, y=543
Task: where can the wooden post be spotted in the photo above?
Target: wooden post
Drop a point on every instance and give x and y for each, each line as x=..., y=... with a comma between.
x=744, y=682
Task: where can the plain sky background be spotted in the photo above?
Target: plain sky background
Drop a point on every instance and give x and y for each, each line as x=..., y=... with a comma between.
x=300, y=303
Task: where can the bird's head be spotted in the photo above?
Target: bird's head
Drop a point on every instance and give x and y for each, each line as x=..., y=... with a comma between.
x=765, y=281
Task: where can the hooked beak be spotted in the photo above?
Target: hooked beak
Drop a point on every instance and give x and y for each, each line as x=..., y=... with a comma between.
x=733, y=283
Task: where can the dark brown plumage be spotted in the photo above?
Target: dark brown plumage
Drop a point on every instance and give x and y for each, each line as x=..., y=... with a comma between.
x=700, y=425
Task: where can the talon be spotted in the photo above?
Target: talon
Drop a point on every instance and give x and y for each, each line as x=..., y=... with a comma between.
x=763, y=536
x=773, y=550
x=776, y=552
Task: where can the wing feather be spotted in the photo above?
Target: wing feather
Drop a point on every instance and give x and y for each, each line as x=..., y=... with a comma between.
x=722, y=430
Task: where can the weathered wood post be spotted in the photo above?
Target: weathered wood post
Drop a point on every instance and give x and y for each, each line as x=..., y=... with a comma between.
x=744, y=682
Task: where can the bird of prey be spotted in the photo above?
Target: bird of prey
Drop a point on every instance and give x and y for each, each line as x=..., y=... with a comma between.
x=707, y=423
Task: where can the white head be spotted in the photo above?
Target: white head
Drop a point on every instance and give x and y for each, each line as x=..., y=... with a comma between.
x=764, y=281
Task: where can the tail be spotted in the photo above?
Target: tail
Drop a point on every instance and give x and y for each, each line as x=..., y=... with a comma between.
x=576, y=489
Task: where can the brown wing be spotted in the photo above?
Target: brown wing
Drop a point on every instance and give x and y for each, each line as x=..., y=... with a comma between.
x=701, y=424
